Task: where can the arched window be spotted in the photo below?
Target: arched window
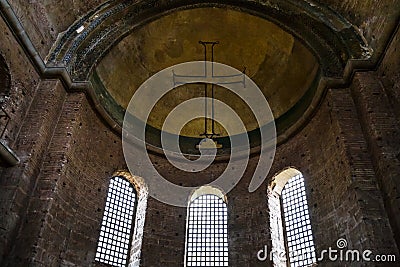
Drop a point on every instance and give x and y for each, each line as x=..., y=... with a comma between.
x=122, y=223
x=292, y=240
x=207, y=229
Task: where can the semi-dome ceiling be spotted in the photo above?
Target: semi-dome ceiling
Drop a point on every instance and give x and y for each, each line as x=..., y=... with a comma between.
x=282, y=67
x=292, y=50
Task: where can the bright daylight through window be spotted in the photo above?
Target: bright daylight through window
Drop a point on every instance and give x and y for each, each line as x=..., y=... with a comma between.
x=115, y=234
x=207, y=233
x=297, y=223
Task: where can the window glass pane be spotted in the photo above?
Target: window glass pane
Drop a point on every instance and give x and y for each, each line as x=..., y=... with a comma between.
x=297, y=223
x=113, y=246
x=207, y=233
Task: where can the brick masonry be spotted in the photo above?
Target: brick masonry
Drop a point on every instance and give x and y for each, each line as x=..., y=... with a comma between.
x=52, y=202
x=389, y=73
x=382, y=133
x=374, y=19
x=44, y=20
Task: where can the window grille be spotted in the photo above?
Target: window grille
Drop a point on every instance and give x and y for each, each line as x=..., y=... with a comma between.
x=207, y=233
x=116, y=229
x=299, y=237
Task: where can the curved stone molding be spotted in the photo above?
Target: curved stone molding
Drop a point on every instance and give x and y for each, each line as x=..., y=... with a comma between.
x=337, y=44
x=333, y=40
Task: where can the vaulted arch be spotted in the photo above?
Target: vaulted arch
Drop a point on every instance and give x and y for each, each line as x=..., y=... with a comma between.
x=335, y=43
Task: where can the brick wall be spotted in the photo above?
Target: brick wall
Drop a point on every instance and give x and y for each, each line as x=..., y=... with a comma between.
x=69, y=198
x=23, y=83
x=42, y=99
x=374, y=18
x=64, y=212
x=389, y=73
x=44, y=20
x=52, y=203
x=344, y=199
x=341, y=186
x=382, y=132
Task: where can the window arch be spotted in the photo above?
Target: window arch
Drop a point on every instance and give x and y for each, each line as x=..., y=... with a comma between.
x=123, y=221
x=207, y=229
x=291, y=232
